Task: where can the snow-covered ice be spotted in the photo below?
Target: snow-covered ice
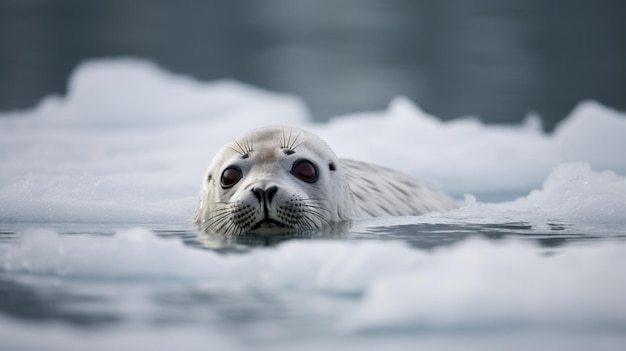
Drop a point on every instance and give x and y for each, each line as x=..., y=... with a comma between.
x=130, y=142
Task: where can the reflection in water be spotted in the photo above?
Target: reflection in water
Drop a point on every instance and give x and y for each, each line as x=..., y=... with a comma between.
x=427, y=236
x=236, y=295
x=229, y=243
x=46, y=301
x=424, y=236
x=493, y=59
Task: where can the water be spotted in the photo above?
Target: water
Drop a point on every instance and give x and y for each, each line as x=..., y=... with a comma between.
x=97, y=250
x=405, y=281
x=495, y=60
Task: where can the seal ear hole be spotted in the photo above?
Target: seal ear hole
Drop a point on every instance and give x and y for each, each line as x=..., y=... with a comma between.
x=230, y=177
x=305, y=170
x=331, y=166
x=209, y=178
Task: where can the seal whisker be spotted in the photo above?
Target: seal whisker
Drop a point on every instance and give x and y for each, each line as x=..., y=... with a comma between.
x=249, y=144
x=237, y=150
x=243, y=147
x=225, y=209
x=304, y=224
x=220, y=215
x=290, y=143
x=230, y=229
x=312, y=224
x=219, y=223
x=320, y=217
x=315, y=199
x=313, y=212
x=240, y=150
x=295, y=146
x=316, y=206
x=284, y=144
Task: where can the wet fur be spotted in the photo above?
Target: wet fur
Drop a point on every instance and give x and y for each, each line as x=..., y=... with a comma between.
x=345, y=189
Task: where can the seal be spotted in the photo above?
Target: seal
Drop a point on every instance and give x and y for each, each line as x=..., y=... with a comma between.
x=282, y=179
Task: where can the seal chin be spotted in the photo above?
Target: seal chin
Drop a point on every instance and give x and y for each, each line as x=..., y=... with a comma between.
x=270, y=226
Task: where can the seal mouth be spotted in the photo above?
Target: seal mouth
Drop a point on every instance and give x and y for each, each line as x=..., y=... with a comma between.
x=269, y=226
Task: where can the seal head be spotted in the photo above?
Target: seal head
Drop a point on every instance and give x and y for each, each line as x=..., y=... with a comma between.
x=274, y=180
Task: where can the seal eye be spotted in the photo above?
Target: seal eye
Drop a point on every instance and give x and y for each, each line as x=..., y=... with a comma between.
x=230, y=177
x=305, y=170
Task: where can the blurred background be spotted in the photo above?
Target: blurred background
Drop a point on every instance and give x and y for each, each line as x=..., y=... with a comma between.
x=496, y=59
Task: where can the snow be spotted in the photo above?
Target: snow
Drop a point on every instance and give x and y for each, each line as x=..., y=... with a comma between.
x=130, y=142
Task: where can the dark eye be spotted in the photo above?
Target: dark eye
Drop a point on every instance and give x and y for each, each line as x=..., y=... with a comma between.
x=230, y=177
x=305, y=170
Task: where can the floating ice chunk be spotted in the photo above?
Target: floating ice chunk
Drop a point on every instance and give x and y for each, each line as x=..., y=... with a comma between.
x=131, y=93
x=572, y=198
x=473, y=284
x=130, y=143
x=481, y=286
x=459, y=156
x=575, y=193
x=329, y=266
x=594, y=134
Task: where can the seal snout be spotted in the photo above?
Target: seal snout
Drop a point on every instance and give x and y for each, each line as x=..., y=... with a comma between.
x=268, y=220
x=265, y=194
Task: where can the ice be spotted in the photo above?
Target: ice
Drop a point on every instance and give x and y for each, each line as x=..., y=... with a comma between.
x=575, y=193
x=582, y=280
x=485, y=286
x=479, y=287
x=461, y=156
x=572, y=195
x=130, y=142
x=131, y=93
x=466, y=156
x=137, y=253
x=595, y=134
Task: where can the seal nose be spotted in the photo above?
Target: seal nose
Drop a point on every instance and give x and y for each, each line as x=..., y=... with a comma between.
x=267, y=193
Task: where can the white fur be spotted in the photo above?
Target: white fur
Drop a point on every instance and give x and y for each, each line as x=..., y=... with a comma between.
x=344, y=190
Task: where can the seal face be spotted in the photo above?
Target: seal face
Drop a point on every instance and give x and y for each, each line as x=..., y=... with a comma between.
x=273, y=180
x=276, y=180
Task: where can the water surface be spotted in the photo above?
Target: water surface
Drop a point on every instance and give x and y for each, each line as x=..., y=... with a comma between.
x=117, y=286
